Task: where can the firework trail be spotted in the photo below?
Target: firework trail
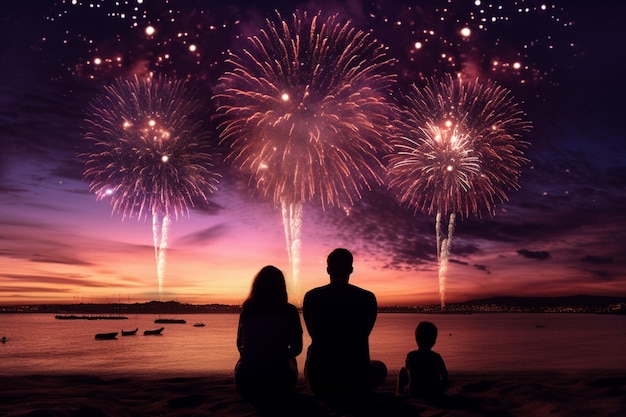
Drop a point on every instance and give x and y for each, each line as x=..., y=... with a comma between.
x=292, y=223
x=304, y=110
x=460, y=154
x=150, y=153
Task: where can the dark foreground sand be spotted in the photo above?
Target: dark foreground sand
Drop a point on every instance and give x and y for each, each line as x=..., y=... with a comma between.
x=492, y=395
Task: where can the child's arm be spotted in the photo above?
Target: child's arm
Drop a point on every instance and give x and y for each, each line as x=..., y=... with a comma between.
x=445, y=379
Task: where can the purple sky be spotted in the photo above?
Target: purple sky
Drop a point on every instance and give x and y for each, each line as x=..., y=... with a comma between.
x=560, y=234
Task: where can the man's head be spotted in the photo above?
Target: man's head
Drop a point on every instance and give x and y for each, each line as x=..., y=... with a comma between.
x=339, y=265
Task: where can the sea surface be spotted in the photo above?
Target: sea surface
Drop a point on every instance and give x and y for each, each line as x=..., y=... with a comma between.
x=500, y=342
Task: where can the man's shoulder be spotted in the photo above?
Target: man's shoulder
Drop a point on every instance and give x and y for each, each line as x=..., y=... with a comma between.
x=361, y=290
x=361, y=294
x=343, y=287
x=315, y=292
x=348, y=292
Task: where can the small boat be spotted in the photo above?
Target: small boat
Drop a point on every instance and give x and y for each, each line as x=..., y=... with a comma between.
x=107, y=318
x=70, y=317
x=199, y=325
x=153, y=332
x=171, y=321
x=88, y=317
x=106, y=336
x=129, y=332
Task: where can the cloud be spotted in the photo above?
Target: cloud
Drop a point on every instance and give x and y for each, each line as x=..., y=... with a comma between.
x=21, y=243
x=203, y=236
x=24, y=291
x=602, y=276
x=70, y=169
x=46, y=279
x=209, y=207
x=58, y=259
x=597, y=260
x=539, y=255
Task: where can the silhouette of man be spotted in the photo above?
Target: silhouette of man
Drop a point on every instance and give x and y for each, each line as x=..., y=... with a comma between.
x=339, y=318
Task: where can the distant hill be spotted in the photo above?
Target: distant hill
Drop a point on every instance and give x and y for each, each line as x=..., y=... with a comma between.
x=151, y=307
x=565, y=301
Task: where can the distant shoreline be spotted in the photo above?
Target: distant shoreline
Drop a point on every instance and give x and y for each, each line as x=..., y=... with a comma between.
x=570, y=304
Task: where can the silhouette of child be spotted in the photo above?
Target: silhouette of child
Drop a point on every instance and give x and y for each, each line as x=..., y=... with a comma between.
x=425, y=375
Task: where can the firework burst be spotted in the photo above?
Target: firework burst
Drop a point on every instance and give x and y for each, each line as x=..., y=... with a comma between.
x=305, y=113
x=461, y=152
x=150, y=153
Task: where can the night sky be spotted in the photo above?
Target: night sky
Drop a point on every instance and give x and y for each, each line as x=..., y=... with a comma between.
x=560, y=234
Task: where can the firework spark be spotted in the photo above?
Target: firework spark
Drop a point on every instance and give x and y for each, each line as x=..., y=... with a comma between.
x=150, y=153
x=101, y=40
x=461, y=153
x=488, y=38
x=306, y=114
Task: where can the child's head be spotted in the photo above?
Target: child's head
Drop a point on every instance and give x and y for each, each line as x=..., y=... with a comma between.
x=426, y=334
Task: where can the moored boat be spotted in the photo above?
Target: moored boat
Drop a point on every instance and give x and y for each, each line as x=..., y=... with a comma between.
x=199, y=325
x=129, y=332
x=88, y=317
x=70, y=317
x=106, y=336
x=171, y=321
x=153, y=332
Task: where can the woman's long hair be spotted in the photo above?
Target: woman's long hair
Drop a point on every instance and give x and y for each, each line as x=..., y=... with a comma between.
x=268, y=287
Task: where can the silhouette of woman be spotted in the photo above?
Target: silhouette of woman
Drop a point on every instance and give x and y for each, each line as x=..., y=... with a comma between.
x=269, y=338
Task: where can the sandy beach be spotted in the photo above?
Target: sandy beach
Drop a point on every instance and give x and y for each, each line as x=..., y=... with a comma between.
x=493, y=395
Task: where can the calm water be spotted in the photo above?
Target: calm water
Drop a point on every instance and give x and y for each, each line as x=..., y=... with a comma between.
x=38, y=343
